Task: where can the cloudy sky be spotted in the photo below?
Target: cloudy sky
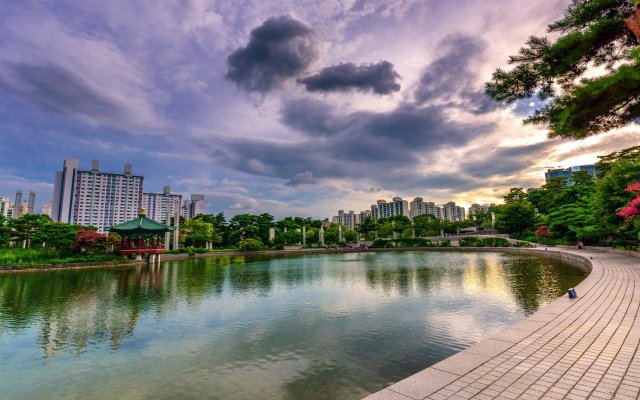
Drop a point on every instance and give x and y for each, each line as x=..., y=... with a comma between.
x=293, y=107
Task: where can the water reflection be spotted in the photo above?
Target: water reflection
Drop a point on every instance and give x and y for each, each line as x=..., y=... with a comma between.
x=331, y=326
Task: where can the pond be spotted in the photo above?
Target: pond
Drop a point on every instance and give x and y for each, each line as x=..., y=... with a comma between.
x=337, y=326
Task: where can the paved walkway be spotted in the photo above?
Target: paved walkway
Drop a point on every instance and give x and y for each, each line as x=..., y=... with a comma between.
x=574, y=348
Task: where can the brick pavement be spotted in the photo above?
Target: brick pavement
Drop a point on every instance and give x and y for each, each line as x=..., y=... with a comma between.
x=572, y=349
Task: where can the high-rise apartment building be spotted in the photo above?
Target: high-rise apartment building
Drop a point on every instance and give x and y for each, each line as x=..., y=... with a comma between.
x=47, y=208
x=17, y=205
x=348, y=220
x=419, y=207
x=567, y=172
x=95, y=198
x=385, y=210
x=453, y=213
x=6, y=207
x=197, y=205
x=161, y=205
x=475, y=207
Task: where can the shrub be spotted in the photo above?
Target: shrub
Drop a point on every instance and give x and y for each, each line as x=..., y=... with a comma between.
x=251, y=245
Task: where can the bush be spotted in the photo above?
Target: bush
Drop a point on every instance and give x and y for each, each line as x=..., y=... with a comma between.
x=251, y=245
x=473, y=241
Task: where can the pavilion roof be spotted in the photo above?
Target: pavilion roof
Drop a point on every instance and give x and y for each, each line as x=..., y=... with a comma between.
x=141, y=227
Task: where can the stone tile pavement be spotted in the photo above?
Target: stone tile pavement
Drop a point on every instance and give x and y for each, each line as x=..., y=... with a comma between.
x=572, y=349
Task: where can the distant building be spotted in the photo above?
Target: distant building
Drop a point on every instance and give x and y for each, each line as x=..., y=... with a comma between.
x=452, y=212
x=475, y=207
x=197, y=205
x=95, y=198
x=363, y=215
x=567, y=172
x=385, y=210
x=348, y=220
x=17, y=205
x=161, y=205
x=419, y=207
x=47, y=208
x=6, y=207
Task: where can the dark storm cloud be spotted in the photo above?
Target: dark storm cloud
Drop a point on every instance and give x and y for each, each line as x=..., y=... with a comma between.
x=311, y=117
x=60, y=91
x=452, y=77
x=505, y=160
x=378, y=78
x=279, y=49
x=390, y=149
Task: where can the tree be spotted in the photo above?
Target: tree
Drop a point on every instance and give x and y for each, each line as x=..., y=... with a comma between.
x=367, y=225
x=593, y=33
x=57, y=236
x=515, y=217
x=611, y=196
x=25, y=227
x=197, y=232
x=5, y=231
x=89, y=241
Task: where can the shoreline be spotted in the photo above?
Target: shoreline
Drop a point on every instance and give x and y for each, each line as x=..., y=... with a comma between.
x=184, y=256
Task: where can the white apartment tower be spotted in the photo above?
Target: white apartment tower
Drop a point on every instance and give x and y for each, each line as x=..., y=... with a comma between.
x=159, y=205
x=348, y=220
x=195, y=206
x=95, y=198
x=452, y=212
x=385, y=210
x=419, y=207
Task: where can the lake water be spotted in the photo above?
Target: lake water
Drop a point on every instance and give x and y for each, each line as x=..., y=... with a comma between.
x=336, y=326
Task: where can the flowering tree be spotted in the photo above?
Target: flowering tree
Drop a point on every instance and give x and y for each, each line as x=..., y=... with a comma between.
x=632, y=210
x=543, y=231
x=90, y=241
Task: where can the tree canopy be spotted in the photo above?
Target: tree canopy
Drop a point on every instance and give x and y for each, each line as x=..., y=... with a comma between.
x=593, y=34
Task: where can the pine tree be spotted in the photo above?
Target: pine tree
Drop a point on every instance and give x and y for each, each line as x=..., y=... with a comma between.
x=592, y=34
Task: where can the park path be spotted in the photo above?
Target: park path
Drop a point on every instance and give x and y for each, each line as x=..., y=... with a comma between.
x=572, y=349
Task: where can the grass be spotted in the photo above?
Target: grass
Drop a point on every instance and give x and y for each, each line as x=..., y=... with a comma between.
x=38, y=256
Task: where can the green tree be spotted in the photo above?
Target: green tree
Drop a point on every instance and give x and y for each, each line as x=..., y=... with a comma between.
x=367, y=226
x=25, y=227
x=593, y=33
x=5, y=231
x=57, y=236
x=611, y=196
x=517, y=214
x=515, y=217
x=197, y=232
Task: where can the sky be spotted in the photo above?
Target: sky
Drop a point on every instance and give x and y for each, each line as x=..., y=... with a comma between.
x=292, y=107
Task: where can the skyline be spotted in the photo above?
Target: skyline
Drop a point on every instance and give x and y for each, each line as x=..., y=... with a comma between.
x=357, y=101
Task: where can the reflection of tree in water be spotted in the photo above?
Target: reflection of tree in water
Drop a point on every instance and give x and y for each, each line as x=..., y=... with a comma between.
x=535, y=281
x=76, y=308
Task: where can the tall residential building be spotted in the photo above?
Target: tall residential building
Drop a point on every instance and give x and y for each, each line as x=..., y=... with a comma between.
x=95, y=198
x=197, y=205
x=475, y=207
x=6, y=207
x=363, y=215
x=385, y=210
x=348, y=220
x=567, y=172
x=419, y=207
x=452, y=212
x=17, y=205
x=47, y=208
x=159, y=205
x=31, y=204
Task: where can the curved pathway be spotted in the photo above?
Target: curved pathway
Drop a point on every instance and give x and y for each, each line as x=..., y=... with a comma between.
x=574, y=348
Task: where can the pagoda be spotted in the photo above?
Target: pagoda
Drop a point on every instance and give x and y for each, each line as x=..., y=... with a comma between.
x=142, y=236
